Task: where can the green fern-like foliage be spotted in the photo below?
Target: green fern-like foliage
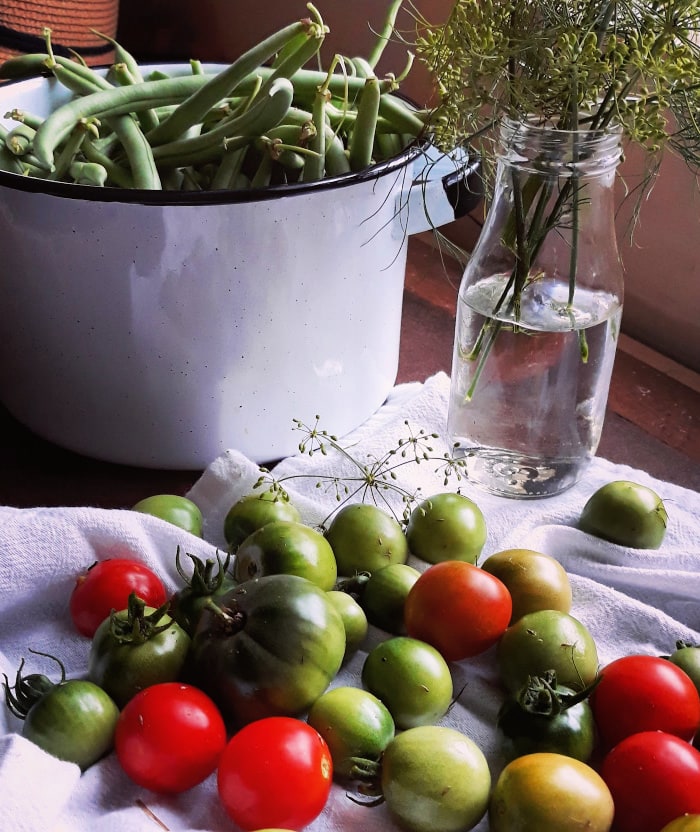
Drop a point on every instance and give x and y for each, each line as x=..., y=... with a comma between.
x=574, y=63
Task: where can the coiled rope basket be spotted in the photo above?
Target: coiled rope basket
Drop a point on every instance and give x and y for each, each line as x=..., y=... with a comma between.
x=22, y=23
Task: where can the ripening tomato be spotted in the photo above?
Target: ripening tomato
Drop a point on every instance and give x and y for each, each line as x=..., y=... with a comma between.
x=276, y=771
x=169, y=737
x=644, y=693
x=458, y=608
x=653, y=777
x=106, y=586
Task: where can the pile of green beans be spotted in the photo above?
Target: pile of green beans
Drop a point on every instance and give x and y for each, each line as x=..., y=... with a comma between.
x=266, y=119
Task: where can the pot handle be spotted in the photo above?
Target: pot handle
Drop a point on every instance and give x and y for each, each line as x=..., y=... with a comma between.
x=445, y=187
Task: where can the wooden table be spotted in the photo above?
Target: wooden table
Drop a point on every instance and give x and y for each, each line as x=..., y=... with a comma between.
x=652, y=420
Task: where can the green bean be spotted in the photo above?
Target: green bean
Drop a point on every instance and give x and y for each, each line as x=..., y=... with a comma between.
x=69, y=152
x=122, y=56
x=361, y=139
x=31, y=119
x=20, y=139
x=9, y=162
x=138, y=152
x=112, y=102
x=385, y=33
x=265, y=113
x=123, y=75
x=88, y=173
x=198, y=103
x=263, y=175
x=115, y=172
x=229, y=168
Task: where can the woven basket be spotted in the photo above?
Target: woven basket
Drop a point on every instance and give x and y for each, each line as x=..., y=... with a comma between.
x=22, y=23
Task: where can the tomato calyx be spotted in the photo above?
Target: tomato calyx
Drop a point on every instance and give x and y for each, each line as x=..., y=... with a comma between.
x=227, y=620
x=542, y=695
x=204, y=580
x=28, y=690
x=138, y=627
x=366, y=776
x=354, y=586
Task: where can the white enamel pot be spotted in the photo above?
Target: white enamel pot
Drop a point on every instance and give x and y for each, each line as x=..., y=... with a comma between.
x=159, y=329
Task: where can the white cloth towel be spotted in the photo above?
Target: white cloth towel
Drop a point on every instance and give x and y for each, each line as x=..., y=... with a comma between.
x=631, y=600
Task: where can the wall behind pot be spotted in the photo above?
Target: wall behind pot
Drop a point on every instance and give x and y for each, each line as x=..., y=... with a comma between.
x=662, y=305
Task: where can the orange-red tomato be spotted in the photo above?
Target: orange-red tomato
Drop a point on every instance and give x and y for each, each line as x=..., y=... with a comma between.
x=459, y=608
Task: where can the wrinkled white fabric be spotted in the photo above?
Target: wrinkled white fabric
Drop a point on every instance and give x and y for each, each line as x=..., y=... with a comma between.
x=631, y=600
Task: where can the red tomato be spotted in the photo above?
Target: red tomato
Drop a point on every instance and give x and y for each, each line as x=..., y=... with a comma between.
x=644, y=693
x=169, y=737
x=653, y=777
x=106, y=586
x=275, y=772
x=459, y=608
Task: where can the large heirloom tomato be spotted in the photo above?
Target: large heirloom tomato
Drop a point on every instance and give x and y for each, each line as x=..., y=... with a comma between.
x=271, y=649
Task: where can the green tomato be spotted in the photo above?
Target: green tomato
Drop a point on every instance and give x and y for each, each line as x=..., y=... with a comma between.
x=174, y=509
x=354, y=724
x=272, y=649
x=627, y=514
x=74, y=721
x=253, y=511
x=136, y=648
x=545, y=792
x=411, y=678
x=364, y=538
x=687, y=657
x=285, y=547
x=435, y=779
x=685, y=823
x=354, y=619
x=384, y=595
x=535, y=581
x=545, y=716
x=547, y=640
x=446, y=527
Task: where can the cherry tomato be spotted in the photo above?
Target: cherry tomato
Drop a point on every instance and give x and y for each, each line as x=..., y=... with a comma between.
x=547, y=792
x=685, y=823
x=355, y=724
x=446, y=527
x=547, y=640
x=535, y=581
x=354, y=619
x=276, y=771
x=254, y=511
x=458, y=608
x=365, y=538
x=174, y=509
x=644, y=693
x=383, y=597
x=411, y=678
x=169, y=737
x=285, y=547
x=626, y=513
x=687, y=657
x=435, y=779
x=654, y=777
x=106, y=586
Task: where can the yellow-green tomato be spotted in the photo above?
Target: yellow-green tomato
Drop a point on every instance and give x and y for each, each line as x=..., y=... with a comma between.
x=354, y=724
x=446, y=527
x=365, y=538
x=545, y=792
x=547, y=640
x=435, y=779
x=253, y=511
x=687, y=657
x=285, y=547
x=685, y=823
x=411, y=678
x=535, y=581
x=384, y=595
x=180, y=511
x=626, y=513
x=354, y=619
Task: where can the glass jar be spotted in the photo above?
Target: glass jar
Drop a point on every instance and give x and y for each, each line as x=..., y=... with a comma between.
x=538, y=314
